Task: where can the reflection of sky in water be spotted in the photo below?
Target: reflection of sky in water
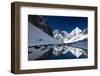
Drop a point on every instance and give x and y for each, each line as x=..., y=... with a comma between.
x=58, y=52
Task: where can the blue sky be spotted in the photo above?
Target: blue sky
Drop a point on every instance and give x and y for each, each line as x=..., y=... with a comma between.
x=66, y=23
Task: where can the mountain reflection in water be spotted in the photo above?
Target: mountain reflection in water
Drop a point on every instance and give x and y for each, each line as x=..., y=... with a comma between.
x=57, y=52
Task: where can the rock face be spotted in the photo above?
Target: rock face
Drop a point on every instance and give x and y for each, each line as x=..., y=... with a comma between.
x=39, y=22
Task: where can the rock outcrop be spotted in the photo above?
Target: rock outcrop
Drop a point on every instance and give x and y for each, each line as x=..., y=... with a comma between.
x=41, y=23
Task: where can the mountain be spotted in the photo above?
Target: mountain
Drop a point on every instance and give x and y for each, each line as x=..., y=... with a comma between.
x=75, y=35
x=38, y=21
x=37, y=36
x=66, y=34
x=78, y=36
x=76, y=31
x=58, y=35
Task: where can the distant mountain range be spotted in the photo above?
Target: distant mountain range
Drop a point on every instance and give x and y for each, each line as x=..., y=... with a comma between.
x=74, y=36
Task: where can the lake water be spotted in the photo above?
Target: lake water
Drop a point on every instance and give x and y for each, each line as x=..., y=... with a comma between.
x=50, y=52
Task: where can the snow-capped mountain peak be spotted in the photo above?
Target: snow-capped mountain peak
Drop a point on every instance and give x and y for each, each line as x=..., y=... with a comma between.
x=75, y=35
x=58, y=35
x=76, y=31
x=56, y=31
x=65, y=33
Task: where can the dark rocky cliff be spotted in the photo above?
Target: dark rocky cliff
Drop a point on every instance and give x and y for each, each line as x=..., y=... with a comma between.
x=39, y=22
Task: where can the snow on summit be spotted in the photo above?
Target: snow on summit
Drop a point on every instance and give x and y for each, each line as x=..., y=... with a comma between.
x=75, y=35
x=76, y=31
